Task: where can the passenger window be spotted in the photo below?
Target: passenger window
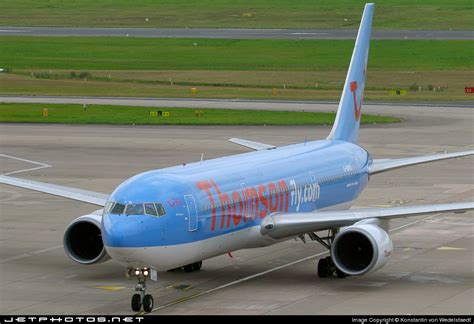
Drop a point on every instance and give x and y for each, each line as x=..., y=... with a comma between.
x=118, y=209
x=160, y=209
x=135, y=209
x=150, y=209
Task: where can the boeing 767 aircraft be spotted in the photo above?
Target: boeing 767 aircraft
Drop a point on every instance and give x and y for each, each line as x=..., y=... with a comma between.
x=178, y=216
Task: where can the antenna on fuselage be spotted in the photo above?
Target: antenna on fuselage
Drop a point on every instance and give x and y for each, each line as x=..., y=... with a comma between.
x=202, y=157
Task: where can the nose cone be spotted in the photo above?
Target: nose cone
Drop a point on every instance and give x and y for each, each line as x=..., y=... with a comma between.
x=122, y=231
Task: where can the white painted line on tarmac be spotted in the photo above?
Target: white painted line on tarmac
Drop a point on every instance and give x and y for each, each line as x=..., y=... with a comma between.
x=24, y=160
x=29, y=254
x=25, y=170
x=413, y=223
x=41, y=165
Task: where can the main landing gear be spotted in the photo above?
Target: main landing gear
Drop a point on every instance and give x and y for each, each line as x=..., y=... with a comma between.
x=196, y=266
x=326, y=267
x=140, y=298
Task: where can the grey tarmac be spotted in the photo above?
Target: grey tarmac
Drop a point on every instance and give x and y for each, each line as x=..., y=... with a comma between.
x=431, y=271
x=320, y=105
x=236, y=33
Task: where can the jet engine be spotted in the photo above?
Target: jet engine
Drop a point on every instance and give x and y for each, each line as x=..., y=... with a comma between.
x=83, y=239
x=361, y=248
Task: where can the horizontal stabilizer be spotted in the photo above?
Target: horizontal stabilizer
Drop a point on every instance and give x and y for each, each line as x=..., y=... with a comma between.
x=383, y=165
x=252, y=145
x=91, y=197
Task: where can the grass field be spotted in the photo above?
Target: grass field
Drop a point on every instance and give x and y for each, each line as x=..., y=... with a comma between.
x=101, y=114
x=231, y=68
x=112, y=53
x=378, y=86
x=397, y=14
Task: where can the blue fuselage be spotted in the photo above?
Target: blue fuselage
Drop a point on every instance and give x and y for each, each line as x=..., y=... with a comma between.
x=213, y=198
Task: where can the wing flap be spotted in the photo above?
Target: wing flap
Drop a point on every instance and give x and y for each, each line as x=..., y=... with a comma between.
x=383, y=165
x=252, y=145
x=284, y=225
x=91, y=197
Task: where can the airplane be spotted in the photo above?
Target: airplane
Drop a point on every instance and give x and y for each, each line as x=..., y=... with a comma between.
x=176, y=217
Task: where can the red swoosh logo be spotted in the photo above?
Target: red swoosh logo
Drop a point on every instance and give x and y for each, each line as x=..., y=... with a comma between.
x=356, y=109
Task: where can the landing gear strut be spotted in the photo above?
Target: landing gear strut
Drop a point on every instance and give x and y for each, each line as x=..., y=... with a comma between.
x=140, y=298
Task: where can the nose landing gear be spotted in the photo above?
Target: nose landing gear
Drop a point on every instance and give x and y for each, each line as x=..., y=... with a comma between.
x=140, y=298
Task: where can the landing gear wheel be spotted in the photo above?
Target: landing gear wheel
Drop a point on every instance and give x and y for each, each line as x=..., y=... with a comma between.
x=340, y=274
x=148, y=303
x=136, y=302
x=323, y=266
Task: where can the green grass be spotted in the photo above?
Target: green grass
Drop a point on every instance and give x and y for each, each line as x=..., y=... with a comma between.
x=377, y=87
x=112, y=53
x=101, y=114
x=398, y=14
x=310, y=69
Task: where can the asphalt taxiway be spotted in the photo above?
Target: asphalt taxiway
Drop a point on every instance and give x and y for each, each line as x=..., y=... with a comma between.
x=236, y=33
x=431, y=271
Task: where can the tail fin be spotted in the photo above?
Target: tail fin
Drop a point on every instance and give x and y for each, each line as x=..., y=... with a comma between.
x=346, y=125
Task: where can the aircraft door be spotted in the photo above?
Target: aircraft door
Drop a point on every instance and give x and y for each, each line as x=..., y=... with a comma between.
x=192, y=212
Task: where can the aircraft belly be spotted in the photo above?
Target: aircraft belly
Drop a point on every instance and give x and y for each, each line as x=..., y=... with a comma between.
x=164, y=258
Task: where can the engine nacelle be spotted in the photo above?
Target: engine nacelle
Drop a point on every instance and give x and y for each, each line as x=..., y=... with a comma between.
x=361, y=248
x=83, y=239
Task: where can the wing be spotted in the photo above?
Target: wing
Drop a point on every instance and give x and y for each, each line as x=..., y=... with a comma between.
x=284, y=225
x=91, y=197
x=253, y=145
x=383, y=165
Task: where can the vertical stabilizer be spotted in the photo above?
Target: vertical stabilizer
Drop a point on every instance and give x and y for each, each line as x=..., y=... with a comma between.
x=346, y=125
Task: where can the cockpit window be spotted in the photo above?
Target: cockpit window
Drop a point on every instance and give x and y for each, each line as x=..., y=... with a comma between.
x=118, y=209
x=108, y=207
x=150, y=209
x=135, y=209
x=160, y=209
